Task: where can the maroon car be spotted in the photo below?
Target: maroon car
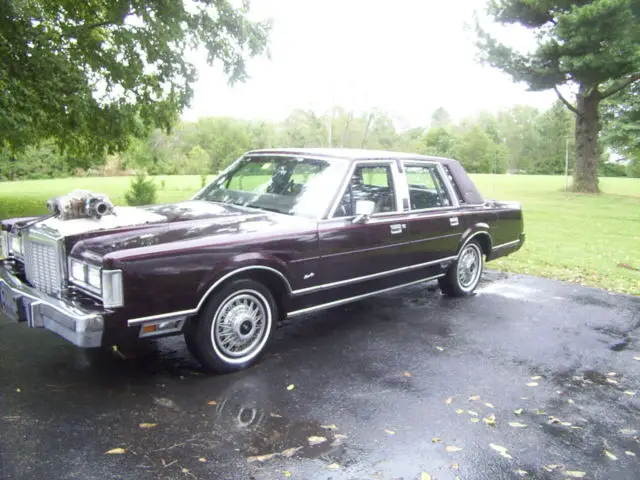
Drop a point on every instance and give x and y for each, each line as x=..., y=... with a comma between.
x=279, y=233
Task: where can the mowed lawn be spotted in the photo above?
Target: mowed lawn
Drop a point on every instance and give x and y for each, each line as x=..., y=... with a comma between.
x=579, y=238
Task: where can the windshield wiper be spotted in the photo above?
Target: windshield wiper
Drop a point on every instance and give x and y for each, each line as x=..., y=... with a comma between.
x=269, y=209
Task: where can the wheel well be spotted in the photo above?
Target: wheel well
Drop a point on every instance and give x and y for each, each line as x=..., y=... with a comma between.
x=269, y=279
x=485, y=242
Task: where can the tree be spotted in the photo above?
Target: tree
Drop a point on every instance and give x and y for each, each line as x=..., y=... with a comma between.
x=91, y=74
x=621, y=119
x=590, y=45
x=440, y=118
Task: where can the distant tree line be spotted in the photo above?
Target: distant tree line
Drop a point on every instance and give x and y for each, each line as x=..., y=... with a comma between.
x=520, y=139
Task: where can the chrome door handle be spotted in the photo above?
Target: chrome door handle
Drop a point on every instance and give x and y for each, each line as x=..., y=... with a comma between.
x=454, y=222
x=397, y=228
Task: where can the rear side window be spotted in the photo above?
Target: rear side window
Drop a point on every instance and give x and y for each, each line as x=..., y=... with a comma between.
x=454, y=185
x=426, y=187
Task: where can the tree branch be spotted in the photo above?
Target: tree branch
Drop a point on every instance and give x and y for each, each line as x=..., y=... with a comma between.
x=565, y=101
x=91, y=26
x=621, y=85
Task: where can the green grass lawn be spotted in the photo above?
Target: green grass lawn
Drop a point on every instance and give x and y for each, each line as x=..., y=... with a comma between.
x=579, y=238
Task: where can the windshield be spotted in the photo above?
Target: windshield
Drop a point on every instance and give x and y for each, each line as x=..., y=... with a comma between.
x=293, y=185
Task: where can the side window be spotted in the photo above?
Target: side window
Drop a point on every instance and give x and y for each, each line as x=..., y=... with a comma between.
x=369, y=182
x=454, y=185
x=426, y=187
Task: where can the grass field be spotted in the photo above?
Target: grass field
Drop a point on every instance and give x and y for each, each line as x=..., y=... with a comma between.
x=579, y=238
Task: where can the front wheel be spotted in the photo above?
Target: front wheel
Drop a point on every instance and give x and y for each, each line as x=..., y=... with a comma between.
x=234, y=328
x=463, y=276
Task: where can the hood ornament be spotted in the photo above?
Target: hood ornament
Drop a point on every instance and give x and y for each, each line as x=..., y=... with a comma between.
x=80, y=204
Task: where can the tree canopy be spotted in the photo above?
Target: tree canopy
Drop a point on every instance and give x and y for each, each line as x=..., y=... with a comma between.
x=591, y=45
x=91, y=74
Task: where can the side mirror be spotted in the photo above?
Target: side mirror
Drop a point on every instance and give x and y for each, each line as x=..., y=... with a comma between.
x=364, y=209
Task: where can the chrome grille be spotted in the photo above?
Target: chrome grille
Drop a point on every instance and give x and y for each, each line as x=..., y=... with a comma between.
x=43, y=265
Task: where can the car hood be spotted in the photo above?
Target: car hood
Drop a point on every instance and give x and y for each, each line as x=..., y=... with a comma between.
x=166, y=225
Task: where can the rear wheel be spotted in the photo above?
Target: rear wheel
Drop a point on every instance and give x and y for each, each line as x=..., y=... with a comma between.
x=234, y=327
x=463, y=276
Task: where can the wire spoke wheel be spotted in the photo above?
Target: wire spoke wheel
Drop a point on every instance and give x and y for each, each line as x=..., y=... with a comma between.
x=240, y=324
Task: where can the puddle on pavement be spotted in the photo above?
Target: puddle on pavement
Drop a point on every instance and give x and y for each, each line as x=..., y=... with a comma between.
x=517, y=292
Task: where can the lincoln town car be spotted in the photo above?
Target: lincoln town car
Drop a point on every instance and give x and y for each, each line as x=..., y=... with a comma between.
x=278, y=234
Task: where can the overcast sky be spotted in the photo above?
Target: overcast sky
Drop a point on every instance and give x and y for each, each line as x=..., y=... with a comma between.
x=407, y=57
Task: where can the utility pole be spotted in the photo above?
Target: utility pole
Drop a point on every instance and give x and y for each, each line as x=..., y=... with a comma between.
x=566, y=166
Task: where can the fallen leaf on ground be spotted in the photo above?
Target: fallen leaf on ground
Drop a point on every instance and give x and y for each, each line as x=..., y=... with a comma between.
x=506, y=455
x=524, y=398
x=286, y=473
x=574, y=427
x=18, y=390
x=627, y=431
x=435, y=440
x=315, y=440
x=521, y=472
x=517, y=425
x=425, y=476
x=565, y=424
x=518, y=411
x=339, y=436
x=631, y=454
x=448, y=401
x=407, y=374
x=202, y=459
x=474, y=420
x=333, y=466
x=147, y=425
x=212, y=402
x=636, y=358
x=490, y=420
x=452, y=448
x=532, y=384
x=329, y=427
x=471, y=412
x=574, y=473
x=490, y=405
x=454, y=466
x=630, y=393
x=570, y=401
x=498, y=448
x=290, y=452
x=540, y=412
x=116, y=451
x=440, y=349
x=275, y=415
x=261, y=458
x=185, y=470
x=553, y=420
x=459, y=411
x=551, y=468
x=291, y=387
x=611, y=374
x=612, y=381
x=610, y=455
x=474, y=397
x=390, y=432
x=537, y=377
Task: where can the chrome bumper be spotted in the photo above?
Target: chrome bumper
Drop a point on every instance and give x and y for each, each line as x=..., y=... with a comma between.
x=23, y=303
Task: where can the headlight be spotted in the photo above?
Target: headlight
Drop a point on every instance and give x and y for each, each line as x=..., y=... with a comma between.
x=15, y=245
x=4, y=244
x=93, y=277
x=78, y=271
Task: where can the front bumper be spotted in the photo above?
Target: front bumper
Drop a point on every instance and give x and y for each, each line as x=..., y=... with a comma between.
x=23, y=303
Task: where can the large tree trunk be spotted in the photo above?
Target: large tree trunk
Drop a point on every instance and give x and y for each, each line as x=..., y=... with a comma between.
x=585, y=174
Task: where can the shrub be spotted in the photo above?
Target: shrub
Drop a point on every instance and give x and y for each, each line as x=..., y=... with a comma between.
x=142, y=191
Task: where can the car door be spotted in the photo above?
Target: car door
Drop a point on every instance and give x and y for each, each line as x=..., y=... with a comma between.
x=434, y=225
x=354, y=252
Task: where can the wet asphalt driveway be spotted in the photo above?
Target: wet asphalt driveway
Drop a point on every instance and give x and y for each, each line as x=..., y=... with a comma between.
x=406, y=383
